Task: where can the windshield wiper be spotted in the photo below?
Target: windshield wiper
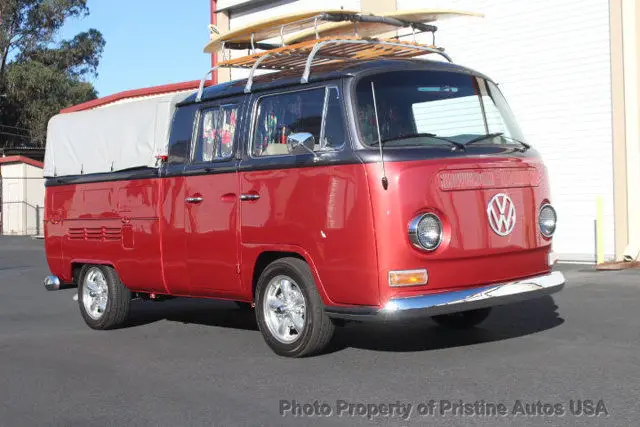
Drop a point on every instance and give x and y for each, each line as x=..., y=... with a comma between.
x=456, y=144
x=496, y=134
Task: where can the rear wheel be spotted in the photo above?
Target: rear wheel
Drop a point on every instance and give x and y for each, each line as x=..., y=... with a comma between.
x=464, y=319
x=103, y=299
x=289, y=310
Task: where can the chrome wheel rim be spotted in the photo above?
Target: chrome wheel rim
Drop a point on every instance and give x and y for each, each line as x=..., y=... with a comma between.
x=95, y=293
x=284, y=309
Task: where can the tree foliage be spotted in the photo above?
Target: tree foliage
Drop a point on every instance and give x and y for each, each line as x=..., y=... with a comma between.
x=39, y=75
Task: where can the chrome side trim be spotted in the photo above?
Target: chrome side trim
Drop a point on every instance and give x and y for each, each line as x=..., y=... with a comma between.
x=51, y=283
x=455, y=301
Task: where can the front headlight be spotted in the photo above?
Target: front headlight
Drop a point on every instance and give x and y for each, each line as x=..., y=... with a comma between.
x=547, y=220
x=425, y=231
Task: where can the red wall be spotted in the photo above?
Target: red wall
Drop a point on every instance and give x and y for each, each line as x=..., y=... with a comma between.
x=214, y=21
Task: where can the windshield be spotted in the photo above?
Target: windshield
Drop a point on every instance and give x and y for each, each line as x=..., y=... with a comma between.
x=423, y=108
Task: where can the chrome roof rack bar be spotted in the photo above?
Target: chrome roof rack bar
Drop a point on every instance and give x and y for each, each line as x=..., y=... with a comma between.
x=313, y=55
x=202, y=81
x=320, y=45
x=247, y=88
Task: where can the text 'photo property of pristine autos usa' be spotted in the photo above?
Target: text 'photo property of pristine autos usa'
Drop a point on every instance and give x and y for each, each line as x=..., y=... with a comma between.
x=352, y=182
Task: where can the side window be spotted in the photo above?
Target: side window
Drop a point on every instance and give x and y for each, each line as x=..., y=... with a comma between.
x=495, y=122
x=216, y=130
x=180, y=140
x=334, y=128
x=279, y=116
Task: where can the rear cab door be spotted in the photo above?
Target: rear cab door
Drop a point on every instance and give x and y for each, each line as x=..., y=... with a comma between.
x=211, y=192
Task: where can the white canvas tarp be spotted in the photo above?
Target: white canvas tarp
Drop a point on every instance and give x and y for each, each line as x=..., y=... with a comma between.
x=110, y=138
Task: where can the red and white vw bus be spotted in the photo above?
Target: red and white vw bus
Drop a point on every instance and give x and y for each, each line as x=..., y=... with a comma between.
x=378, y=191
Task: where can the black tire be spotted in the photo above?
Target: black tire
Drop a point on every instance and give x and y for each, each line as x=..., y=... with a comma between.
x=118, y=299
x=464, y=319
x=318, y=328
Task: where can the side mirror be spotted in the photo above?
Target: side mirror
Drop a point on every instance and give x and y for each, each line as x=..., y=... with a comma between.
x=304, y=140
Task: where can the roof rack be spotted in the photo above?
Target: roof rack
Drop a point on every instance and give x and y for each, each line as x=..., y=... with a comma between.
x=252, y=37
x=329, y=50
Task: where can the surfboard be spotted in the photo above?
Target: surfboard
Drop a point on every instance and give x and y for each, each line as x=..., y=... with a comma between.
x=373, y=29
x=270, y=28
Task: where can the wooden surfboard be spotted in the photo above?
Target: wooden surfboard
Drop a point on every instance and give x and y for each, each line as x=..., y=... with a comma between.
x=270, y=28
x=373, y=29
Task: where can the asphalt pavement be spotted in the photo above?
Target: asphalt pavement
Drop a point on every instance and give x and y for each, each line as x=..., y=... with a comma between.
x=562, y=360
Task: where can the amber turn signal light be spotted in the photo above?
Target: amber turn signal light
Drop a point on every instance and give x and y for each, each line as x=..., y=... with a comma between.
x=408, y=277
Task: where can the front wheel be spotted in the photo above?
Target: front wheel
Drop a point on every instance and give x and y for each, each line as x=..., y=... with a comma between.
x=104, y=300
x=289, y=310
x=464, y=319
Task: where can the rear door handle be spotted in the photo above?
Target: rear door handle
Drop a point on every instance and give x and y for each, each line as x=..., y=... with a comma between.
x=193, y=199
x=246, y=197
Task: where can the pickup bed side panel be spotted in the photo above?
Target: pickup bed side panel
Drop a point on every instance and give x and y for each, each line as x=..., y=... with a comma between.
x=114, y=223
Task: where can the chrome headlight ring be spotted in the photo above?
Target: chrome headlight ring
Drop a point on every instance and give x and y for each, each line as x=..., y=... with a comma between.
x=426, y=232
x=547, y=220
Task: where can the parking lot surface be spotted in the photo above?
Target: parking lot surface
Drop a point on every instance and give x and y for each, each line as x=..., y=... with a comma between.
x=197, y=362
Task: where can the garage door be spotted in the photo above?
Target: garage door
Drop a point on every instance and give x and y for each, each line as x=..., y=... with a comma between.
x=551, y=59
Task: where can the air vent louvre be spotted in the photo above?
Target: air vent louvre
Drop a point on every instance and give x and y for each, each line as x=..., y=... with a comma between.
x=76, y=233
x=95, y=233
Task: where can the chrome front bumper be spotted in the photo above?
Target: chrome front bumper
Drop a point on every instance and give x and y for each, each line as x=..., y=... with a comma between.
x=455, y=301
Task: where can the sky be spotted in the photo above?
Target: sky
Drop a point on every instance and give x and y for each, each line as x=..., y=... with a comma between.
x=148, y=42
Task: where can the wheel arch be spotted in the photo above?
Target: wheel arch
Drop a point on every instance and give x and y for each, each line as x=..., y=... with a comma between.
x=77, y=264
x=268, y=255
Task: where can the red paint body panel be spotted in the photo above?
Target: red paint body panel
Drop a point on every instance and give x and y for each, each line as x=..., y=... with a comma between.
x=350, y=230
x=84, y=223
x=471, y=253
x=173, y=238
x=211, y=232
x=326, y=212
x=194, y=232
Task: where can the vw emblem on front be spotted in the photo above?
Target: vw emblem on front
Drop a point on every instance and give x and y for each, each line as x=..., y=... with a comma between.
x=501, y=212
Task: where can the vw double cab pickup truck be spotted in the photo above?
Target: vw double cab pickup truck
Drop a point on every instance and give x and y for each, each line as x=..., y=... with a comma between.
x=378, y=191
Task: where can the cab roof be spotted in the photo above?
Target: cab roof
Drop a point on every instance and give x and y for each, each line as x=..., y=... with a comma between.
x=324, y=73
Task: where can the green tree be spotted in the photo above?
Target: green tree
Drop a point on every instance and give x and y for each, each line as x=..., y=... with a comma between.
x=40, y=75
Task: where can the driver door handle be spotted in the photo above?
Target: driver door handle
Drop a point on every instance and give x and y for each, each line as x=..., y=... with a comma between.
x=193, y=199
x=251, y=196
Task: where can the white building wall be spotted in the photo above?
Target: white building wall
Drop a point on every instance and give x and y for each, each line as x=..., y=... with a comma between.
x=551, y=60
x=13, y=209
x=34, y=200
x=22, y=193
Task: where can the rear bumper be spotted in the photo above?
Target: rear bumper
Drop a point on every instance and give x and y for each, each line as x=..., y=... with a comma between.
x=52, y=283
x=455, y=301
